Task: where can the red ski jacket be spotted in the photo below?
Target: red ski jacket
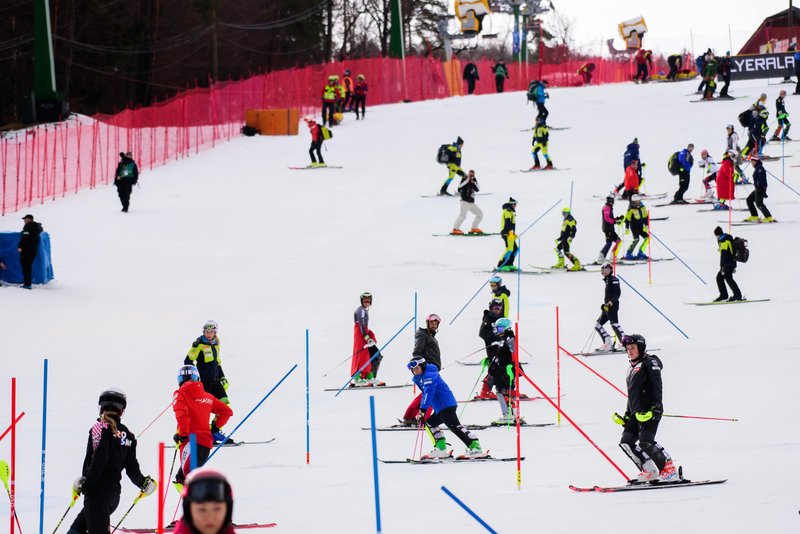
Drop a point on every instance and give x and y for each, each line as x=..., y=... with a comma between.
x=193, y=408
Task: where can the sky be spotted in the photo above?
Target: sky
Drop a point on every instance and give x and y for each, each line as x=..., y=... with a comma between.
x=671, y=24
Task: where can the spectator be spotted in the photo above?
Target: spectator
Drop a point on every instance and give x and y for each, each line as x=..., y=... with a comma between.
x=125, y=177
x=500, y=74
x=27, y=247
x=471, y=75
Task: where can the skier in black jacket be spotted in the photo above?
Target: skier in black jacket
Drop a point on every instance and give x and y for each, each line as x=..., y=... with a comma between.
x=467, y=189
x=486, y=333
x=111, y=447
x=425, y=346
x=28, y=247
x=609, y=309
x=471, y=75
x=126, y=176
x=727, y=266
x=643, y=413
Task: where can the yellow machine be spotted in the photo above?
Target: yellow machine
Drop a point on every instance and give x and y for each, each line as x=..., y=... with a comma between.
x=632, y=31
x=470, y=14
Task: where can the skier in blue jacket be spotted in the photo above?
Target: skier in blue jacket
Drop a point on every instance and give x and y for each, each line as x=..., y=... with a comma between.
x=539, y=96
x=436, y=394
x=681, y=164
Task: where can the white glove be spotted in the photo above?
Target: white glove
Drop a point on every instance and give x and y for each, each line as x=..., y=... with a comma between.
x=77, y=486
x=149, y=486
x=370, y=343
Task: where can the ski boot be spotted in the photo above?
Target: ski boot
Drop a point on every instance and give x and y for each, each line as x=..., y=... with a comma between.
x=456, y=231
x=601, y=259
x=486, y=392
x=314, y=165
x=560, y=263
x=669, y=473
x=752, y=218
x=535, y=167
x=474, y=450
x=476, y=231
x=508, y=268
x=439, y=451
x=218, y=435
x=642, y=256
x=576, y=265
x=770, y=219
x=719, y=206
x=629, y=256
x=549, y=165
x=607, y=346
x=649, y=473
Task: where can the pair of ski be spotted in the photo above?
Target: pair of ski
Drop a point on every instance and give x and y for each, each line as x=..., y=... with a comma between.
x=523, y=398
x=401, y=427
x=717, y=99
x=475, y=364
x=542, y=169
x=466, y=234
x=687, y=203
x=721, y=302
x=353, y=387
x=231, y=443
x=310, y=168
x=563, y=269
x=450, y=195
x=748, y=223
x=645, y=196
x=450, y=459
x=636, y=486
x=599, y=352
x=171, y=528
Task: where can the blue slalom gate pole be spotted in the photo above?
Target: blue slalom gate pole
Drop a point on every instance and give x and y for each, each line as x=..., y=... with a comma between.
x=653, y=306
x=246, y=417
x=373, y=357
x=469, y=511
x=415, y=312
x=308, y=403
x=193, y=452
x=464, y=307
x=375, y=463
x=678, y=257
x=782, y=182
x=539, y=218
x=44, y=447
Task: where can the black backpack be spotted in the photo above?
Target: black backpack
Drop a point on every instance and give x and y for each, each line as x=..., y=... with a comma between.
x=532, y=91
x=443, y=155
x=740, y=250
x=249, y=131
x=745, y=117
x=673, y=165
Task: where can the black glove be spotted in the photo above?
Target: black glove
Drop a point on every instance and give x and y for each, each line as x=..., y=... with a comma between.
x=657, y=409
x=177, y=438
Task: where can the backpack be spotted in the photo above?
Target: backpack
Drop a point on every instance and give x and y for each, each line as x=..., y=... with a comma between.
x=443, y=156
x=326, y=132
x=249, y=131
x=740, y=250
x=532, y=91
x=673, y=165
x=744, y=118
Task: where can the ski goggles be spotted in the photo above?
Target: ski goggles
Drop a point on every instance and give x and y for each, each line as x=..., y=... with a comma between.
x=433, y=317
x=413, y=364
x=206, y=490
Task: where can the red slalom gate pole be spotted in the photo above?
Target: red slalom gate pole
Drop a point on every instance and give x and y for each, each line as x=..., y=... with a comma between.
x=12, y=492
x=516, y=402
x=576, y=427
x=595, y=372
x=7, y=430
x=161, y=489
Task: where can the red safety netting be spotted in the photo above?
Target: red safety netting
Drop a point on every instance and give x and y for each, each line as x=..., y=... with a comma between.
x=48, y=161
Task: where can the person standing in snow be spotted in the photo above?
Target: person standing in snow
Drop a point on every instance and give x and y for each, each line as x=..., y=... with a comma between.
x=783, y=119
x=317, y=138
x=709, y=167
x=205, y=355
x=500, y=71
x=437, y=396
x=756, y=198
x=608, y=226
x=425, y=347
x=364, y=346
x=724, y=179
x=486, y=333
x=724, y=74
x=193, y=407
x=732, y=148
x=471, y=76
x=360, y=97
x=111, y=447
x=541, y=137
x=727, y=266
x=499, y=291
x=569, y=228
x=125, y=177
x=28, y=248
x=508, y=231
x=637, y=220
x=467, y=189
x=680, y=165
x=502, y=371
x=453, y=165
x=643, y=413
x=609, y=309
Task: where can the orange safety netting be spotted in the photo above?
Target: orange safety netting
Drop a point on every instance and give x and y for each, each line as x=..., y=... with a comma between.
x=49, y=161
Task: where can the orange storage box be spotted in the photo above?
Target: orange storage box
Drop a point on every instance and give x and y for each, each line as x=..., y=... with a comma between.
x=273, y=121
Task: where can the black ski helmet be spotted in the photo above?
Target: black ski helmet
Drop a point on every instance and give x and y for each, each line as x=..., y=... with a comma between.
x=636, y=339
x=496, y=303
x=606, y=267
x=112, y=399
x=207, y=485
x=610, y=198
x=366, y=295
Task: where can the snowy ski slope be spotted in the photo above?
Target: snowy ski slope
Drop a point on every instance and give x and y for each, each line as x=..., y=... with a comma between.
x=234, y=235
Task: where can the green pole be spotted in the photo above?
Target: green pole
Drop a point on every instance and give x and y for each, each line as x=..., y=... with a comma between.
x=396, y=48
x=44, y=81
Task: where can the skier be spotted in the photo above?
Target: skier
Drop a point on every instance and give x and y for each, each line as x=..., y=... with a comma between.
x=330, y=94
x=193, y=407
x=541, y=136
x=724, y=179
x=760, y=104
x=757, y=133
x=756, y=198
x=569, y=227
x=486, y=333
x=425, y=347
x=347, y=84
x=110, y=448
x=360, y=97
x=508, y=229
x=727, y=266
x=585, y=72
x=674, y=61
x=643, y=413
x=783, y=119
x=710, y=168
x=609, y=309
x=317, y=138
x=539, y=96
x=499, y=291
x=632, y=153
x=471, y=75
x=500, y=71
x=467, y=189
x=207, y=504
x=632, y=179
x=732, y=147
x=364, y=346
x=724, y=73
x=502, y=370
x=608, y=227
x=680, y=165
x=644, y=59
x=637, y=220
x=125, y=177
x=453, y=164
x=205, y=355
x=436, y=394
x=709, y=75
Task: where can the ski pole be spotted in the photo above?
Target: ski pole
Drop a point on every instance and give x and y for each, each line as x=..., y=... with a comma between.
x=169, y=479
x=699, y=417
x=137, y=499
x=4, y=474
x=154, y=420
x=480, y=374
x=346, y=359
x=418, y=441
x=464, y=358
x=74, y=500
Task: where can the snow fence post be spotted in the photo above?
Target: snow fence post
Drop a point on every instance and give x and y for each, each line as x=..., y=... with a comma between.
x=375, y=463
x=468, y=510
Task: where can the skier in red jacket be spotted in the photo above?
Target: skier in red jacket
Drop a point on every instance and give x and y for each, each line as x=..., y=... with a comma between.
x=316, y=142
x=193, y=408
